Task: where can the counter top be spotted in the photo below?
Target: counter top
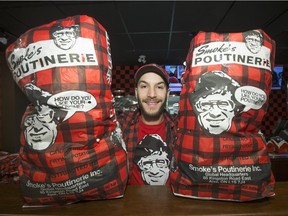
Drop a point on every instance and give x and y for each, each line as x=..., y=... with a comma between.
x=150, y=200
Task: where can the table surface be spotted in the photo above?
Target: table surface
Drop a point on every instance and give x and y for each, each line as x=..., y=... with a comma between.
x=150, y=200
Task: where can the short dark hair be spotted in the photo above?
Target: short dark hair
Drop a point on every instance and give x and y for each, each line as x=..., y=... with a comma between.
x=58, y=28
x=211, y=82
x=145, y=148
x=254, y=33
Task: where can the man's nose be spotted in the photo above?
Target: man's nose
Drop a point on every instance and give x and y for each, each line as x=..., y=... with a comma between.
x=37, y=129
x=151, y=92
x=215, y=111
x=64, y=38
x=154, y=169
x=37, y=126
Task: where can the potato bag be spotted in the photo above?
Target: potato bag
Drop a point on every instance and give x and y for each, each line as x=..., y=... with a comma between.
x=220, y=152
x=71, y=146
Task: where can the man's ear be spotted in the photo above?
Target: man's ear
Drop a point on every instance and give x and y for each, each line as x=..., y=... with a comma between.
x=167, y=101
x=136, y=93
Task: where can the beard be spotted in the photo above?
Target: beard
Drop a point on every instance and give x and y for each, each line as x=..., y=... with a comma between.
x=152, y=116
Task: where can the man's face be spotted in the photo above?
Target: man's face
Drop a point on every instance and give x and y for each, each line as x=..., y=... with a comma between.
x=155, y=168
x=152, y=94
x=65, y=38
x=253, y=43
x=215, y=112
x=40, y=131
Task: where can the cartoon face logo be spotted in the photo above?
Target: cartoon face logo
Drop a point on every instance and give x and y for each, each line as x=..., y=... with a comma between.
x=253, y=41
x=214, y=102
x=215, y=112
x=153, y=160
x=154, y=168
x=40, y=130
x=65, y=37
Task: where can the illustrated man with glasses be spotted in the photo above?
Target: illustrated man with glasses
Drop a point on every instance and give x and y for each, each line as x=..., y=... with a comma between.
x=153, y=160
x=214, y=102
x=65, y=37
x=253, y=41
x=40, y=127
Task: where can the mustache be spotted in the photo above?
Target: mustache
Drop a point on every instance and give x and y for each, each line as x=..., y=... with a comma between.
x=147, y=100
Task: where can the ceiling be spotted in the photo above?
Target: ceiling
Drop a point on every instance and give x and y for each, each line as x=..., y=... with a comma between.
x=160, y=30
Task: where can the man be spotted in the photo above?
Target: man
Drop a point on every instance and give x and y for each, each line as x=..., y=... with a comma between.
x=253, y=41
x=65, y=37
x=152, y=119
x=214, y=101
x=40, y=129
x=153, y=160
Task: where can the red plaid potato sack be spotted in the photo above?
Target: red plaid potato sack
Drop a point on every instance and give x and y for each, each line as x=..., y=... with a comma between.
x=220, y=152
x=71, y=146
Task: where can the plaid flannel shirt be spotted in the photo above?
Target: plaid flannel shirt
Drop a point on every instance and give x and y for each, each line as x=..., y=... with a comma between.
x=130, y=125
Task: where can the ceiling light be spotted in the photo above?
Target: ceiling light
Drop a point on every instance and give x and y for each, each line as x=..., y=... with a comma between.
x=3, y=40
x=3, y=37
x=142, y=59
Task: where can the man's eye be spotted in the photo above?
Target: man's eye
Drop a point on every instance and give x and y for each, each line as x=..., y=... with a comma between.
x=69, y=33
x=223, y=103
x=206, y=104
x=29, y=121
x=145, y=163
x=60, y=34
x=161, y=87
